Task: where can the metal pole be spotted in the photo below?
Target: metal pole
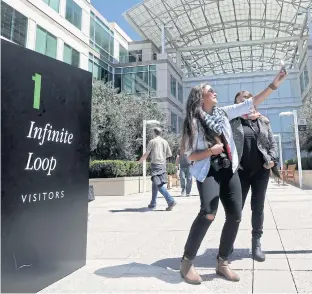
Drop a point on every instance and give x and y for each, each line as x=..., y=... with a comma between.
x=144, y=150
x=281, y=151
x=298, y=148
x=163, y=39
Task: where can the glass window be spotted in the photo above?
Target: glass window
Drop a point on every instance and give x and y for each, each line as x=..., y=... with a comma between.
x=123, y=54
x=46, y=43
x=180, y=93
x=51, y=46
x=73, y=13
x=174, y=122
x=71, y=56
x=99, y=69
x=117, y=82
x=103, y=38
x=173, y=86
x=302, y=82
x=54, y=4
x=135, y=56
x=13, y=25
x=306, y=76
x=180, y=120
x=75, y=58
x=152, y=81
x=90, y=65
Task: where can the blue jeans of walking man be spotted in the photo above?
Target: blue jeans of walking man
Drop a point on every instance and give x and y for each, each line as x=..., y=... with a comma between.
x=186, y=180
x=163, y=191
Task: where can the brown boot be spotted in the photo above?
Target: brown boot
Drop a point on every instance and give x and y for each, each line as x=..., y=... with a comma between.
x=225, y=271
x=188, y=272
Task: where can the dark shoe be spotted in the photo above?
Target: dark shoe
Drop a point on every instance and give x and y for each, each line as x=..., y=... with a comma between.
x=171, y=205
x=151, y=206
x=223, y=269
x=188, y=272
x=188, y=195
x=257, y=253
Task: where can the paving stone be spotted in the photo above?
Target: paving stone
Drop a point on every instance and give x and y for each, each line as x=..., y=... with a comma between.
x=135, y=250
x=273, y=282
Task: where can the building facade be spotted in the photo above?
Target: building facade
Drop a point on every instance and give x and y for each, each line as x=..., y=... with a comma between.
x=73, y=31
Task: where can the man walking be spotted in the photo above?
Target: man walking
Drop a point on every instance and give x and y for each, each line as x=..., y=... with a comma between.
x=159, y=150
x=185, y=174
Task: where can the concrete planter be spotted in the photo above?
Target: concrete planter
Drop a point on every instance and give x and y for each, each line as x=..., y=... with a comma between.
x=306, y=179
x=173, y=181
x=119, y=186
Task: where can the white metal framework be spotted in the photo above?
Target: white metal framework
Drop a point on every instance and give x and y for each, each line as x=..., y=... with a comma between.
x=224, y=36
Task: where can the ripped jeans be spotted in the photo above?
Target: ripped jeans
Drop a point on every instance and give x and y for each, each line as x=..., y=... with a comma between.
x=226, y=186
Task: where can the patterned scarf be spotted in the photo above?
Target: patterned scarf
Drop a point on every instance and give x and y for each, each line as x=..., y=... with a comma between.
x=215, y=120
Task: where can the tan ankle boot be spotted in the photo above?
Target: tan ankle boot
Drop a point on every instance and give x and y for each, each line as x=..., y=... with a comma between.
x=224, y=270
x=188, y=272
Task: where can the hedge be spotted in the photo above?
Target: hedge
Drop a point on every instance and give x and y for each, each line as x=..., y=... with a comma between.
x=120, y=168
x=306, y=163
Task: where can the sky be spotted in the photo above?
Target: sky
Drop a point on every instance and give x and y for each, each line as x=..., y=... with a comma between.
x=112, y=10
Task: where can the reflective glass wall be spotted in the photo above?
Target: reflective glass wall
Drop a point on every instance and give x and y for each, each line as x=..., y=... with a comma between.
x=101, y=38
x=137, y=80
x=100, y=69
x=13, y=25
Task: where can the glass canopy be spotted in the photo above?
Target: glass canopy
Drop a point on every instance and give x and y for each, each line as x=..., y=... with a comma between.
x=224, y=36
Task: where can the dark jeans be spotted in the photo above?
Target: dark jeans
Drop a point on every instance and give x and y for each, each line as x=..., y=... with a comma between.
x=186, y=180
x=163, y=191
x=226, y=186
x=258, y=181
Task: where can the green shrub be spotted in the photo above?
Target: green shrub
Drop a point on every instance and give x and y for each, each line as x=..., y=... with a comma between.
x=120, y=168
x=306, y=163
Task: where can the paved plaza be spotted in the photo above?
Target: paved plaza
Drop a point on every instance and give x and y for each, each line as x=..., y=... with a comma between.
x=133, y=249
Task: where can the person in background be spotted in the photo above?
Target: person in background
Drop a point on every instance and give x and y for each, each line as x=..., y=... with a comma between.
x=159, y=150
x=257, y=151
x=186, y=179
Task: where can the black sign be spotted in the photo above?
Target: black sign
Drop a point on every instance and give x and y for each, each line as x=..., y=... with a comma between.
x=302, y=128
x=45, y=136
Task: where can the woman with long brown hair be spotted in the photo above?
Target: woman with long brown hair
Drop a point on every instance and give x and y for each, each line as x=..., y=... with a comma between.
x=208, y=142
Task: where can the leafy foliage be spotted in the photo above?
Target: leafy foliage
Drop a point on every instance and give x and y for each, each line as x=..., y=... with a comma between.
x=117, y=123
x=306, y=112
x=306, y=163
x=119, y=168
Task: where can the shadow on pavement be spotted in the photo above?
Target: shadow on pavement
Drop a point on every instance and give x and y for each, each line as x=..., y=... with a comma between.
x=167, y=270
x=141, y=209
x=288, y=252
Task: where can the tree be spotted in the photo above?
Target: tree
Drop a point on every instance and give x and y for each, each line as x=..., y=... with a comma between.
x=306, y=112
x=117, y=123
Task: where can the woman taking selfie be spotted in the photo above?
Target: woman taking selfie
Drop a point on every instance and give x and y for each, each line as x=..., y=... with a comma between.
x=208, y=141
x=257, y=151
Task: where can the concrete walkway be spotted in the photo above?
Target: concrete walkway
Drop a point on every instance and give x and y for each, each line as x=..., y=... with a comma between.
x=132, y=249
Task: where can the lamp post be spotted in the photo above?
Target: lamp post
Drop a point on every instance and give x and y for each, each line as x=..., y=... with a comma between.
x=294, y=114
x=145, y=123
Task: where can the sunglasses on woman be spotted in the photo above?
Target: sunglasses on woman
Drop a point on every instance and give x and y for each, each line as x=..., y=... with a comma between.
x=211, y=90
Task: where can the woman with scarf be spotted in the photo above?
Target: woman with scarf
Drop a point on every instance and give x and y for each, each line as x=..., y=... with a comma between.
x=257, y=151
x=208, y=141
